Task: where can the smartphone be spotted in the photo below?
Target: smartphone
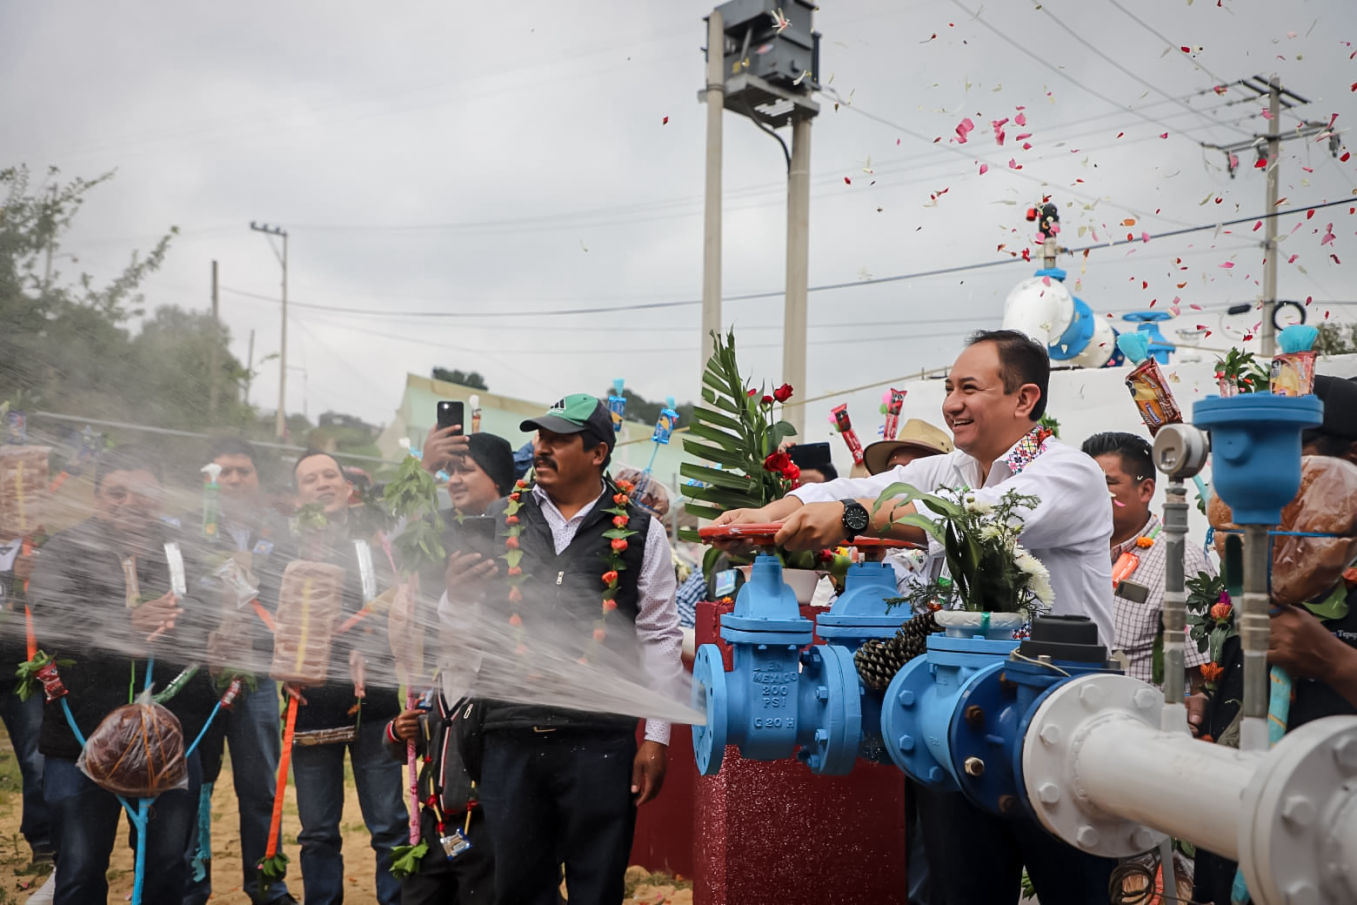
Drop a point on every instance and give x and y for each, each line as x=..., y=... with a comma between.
x=475, y=534
x=451, y=412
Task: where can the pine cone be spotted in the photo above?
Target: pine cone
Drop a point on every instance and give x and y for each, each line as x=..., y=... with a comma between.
x=877, y=663
x=912, y=638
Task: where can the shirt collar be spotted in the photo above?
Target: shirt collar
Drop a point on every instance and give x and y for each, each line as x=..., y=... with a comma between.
x=1130, y=543
x=1025, y=451
x=544, y=499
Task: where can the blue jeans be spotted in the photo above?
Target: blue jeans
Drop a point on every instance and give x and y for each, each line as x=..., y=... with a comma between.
x=319, y=776
x=23, y=721
x=85, y=828
x=252, y=729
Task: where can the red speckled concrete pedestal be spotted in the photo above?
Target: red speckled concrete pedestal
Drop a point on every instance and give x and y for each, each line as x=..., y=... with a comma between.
x=775, y=833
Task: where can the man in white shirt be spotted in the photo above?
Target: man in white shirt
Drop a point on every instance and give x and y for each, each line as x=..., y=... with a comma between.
x=996, y=394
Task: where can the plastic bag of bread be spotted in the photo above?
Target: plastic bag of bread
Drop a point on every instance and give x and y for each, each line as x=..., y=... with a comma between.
x=23, y=488
x=137, y=751
x=310, y=600
x=1305, y=567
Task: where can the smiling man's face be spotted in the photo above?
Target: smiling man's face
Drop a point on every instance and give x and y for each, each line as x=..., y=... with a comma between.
x=321, y=480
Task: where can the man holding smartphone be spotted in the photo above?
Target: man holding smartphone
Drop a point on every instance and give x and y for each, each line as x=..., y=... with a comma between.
x=446, y=441
x=563, y=785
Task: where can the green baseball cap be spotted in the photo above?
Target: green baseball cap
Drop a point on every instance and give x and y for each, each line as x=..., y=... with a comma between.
x=578, y=413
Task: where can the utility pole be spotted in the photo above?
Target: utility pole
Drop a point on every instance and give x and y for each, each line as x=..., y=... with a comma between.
x=214, y=355
x=1268, y=338
x=798, y=268
x=768, y=68
x=249, y=368
x=280, y=422
x=1269, y=147
x=711, y=227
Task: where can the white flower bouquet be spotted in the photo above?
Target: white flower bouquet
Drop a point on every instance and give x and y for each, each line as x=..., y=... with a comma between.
x=987, y=569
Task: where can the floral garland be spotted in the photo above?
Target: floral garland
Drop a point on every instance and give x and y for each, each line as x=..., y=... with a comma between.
x=616, y=536
x=1210, y=620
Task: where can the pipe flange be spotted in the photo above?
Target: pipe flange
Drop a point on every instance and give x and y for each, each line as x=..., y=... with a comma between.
x=1299, y=833
x=1050, y=750
x=709, y=697
x=832, y=704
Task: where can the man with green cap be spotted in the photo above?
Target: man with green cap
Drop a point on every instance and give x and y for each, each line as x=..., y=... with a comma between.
x=562, y=785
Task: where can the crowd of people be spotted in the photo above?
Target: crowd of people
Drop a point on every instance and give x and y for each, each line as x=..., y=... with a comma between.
x=513, y=798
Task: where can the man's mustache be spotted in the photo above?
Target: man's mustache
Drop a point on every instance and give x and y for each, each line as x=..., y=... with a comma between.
x=539, y=461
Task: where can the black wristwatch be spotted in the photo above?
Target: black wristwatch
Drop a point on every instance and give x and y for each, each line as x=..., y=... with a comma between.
x=855, y=518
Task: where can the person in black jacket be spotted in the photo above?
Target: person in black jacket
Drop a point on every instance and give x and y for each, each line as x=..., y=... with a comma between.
x=347, y=713
x=103, y=606
x=561, y=785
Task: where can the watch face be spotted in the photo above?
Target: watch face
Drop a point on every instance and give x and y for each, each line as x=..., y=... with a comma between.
x=855, y=517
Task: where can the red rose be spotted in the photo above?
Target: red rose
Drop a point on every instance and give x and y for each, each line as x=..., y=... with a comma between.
x=515, y=595
x=620, y=499
x=619, y=544
x=752, y=392
x=609, y=605
x=610, y=576
x=511, y=543
x=599, y=635
x=511, y=520
x=766, y=400
x=792, y=473
x=783, y=393
x=515, y=621
x=778, y=462
x=515, y=570
x=620, y=521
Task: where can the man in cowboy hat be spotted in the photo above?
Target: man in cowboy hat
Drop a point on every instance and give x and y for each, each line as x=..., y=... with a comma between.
x=917, y=440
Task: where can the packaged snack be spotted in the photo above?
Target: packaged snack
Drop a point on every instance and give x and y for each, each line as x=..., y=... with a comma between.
x=1152, y=396
x=1293, y=374
x=309, y=602
x=137, y=751
x=23, y=489
x=844, y=425
x=893, y=400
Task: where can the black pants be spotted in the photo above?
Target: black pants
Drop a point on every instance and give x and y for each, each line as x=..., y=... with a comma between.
x=958, y=836
x=553, y=797
x=467, y=879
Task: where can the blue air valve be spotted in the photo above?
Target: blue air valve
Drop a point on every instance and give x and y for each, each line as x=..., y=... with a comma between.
x=1255, y=450
x=775, y=698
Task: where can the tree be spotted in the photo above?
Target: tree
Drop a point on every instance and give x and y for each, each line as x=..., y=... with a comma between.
x=1336, y=339
x=471, y=379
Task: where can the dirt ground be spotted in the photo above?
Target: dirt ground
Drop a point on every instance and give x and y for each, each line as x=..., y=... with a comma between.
x=18, y=880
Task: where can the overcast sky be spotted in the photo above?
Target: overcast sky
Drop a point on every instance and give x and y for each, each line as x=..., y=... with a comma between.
x=513, y=159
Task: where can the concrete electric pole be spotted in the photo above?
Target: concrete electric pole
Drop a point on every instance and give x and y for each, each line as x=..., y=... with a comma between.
x=768, y=66
x=280, y=421
x=711, y=231
x=1268, y=148
x=214, y=356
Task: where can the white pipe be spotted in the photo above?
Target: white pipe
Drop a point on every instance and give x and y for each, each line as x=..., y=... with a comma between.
x=1131, y=770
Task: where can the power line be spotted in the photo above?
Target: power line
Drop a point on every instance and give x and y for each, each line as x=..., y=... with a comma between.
x=1118, y=66
x=1177, y=48
x=776, y=293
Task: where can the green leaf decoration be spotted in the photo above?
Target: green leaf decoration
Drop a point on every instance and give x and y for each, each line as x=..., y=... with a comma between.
x=271, y=870
x=405, y=859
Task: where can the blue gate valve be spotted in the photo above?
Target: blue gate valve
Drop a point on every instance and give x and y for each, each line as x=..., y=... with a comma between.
x=776, y=697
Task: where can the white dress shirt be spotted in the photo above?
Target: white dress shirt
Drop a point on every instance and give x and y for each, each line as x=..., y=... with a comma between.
x=1070, y=530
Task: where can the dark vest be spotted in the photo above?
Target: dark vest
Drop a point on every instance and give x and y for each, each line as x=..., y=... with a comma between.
x=568, y=589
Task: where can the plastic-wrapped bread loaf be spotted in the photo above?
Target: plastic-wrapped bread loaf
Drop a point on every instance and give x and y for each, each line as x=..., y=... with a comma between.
x=309, y=603
x=23, y=488
x=137, y=751
x=1305, y=567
